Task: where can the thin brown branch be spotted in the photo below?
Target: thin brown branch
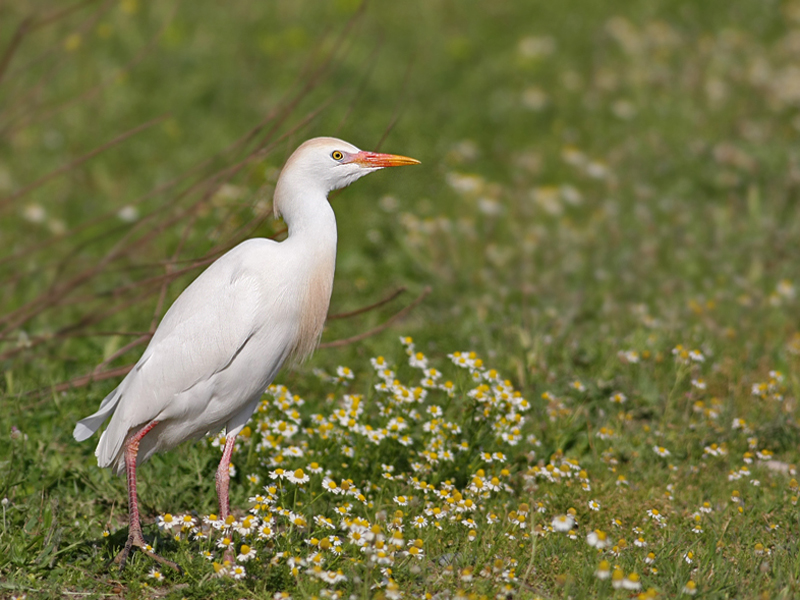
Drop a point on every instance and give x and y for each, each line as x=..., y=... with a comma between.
x=69, y=234
x=80, y=160
x=60, y=13
x=317, y=75
x=85, y=380
x=22, y=29
x=29, y=100
x=382, y=327
x=30, y=24
x=398, y=108
x=112, y=334
x=359, y=311
x=57, y=294
x=38, y=117
x=129, y=346
x=76, y=329
x=371, y=63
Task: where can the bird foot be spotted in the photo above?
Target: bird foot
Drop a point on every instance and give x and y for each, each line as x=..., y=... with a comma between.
x=136, y=540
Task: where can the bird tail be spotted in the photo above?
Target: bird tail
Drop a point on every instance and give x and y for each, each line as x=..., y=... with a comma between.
x=86, y=427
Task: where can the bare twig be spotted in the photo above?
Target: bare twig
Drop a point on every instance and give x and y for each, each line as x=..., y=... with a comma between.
x=28, y=101
x=80, y=160
x=359, y=311
x=59, y=14
x=398, y=108
x=383, y=326
x=87, y=379
x=93, y=91
x=30, y=24
x=130, y=346
x=16, y=40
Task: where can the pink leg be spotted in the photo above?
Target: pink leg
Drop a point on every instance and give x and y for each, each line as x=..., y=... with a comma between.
x=135, y=537
x=223, y=481
x=224, y=477
x=131, y=453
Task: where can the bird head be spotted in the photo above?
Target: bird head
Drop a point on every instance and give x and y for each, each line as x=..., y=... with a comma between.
x=323, y=164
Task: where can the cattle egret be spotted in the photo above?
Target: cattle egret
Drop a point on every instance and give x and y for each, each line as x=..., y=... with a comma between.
x=226, y=336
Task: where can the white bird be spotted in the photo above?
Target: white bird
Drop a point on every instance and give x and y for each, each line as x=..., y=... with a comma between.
x=223, y=341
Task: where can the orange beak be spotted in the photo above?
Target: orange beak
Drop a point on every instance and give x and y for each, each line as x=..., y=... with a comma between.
x=374, y=159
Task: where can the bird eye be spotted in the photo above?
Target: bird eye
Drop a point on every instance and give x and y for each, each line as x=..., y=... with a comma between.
x=336, y=155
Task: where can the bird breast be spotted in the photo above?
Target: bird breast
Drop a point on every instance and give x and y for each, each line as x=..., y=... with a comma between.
x=314, y=300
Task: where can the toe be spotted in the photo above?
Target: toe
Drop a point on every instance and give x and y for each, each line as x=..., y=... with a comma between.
x=137, y=541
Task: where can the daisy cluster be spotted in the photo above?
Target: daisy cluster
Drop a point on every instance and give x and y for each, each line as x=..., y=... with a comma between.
x=772, y=389
x=362, y=489
x=428, y=475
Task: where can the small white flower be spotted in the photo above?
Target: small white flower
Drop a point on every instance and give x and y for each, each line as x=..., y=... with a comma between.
x=697, y=356
x=629, y=356
x=603, y=570
x=661, y=451
x=344, y=373
x=238, y=571
x=597, y=539
x=246, y=553
x=632, y=582
x=618, y=398
x=166, y=522
x=298, y=477
x=225, y=543
x=128, y=214
x=563, y=523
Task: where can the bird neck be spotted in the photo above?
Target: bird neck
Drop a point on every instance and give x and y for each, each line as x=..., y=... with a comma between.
x=305, y=210
x=311, y=249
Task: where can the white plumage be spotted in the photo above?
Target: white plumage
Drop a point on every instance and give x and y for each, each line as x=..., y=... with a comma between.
x=227, y=335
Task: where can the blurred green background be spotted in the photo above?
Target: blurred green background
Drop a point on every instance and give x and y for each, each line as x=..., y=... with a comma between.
x=602, y=144
x=596, y=177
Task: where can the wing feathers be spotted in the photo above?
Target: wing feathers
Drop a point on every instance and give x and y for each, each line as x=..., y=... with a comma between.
x=86, y=427
x=209, y=327
x=218, y=347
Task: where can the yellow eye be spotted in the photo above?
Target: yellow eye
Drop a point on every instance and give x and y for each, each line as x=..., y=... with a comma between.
x=336, y=155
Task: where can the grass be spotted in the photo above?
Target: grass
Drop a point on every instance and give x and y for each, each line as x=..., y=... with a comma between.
x=606, y=214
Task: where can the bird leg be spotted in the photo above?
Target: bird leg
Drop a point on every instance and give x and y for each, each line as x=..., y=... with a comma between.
x=223, y=481
x=135, y=536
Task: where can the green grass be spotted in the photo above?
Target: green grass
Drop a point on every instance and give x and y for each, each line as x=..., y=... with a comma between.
x=602, y=186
